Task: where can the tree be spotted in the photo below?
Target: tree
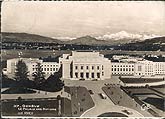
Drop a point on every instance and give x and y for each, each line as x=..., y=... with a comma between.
x=39, y=75
x=53, y=82
x=21, y=74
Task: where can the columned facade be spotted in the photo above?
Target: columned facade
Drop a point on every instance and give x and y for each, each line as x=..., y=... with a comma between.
x=85, y=65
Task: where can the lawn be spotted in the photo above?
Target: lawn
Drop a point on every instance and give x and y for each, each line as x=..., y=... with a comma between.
x=140, y=80
x=80, y=100
x=112, y=114
x=120, y=97
x=157, y=102
x=17, y=90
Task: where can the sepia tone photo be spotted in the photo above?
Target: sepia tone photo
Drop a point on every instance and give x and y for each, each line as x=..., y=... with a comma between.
x=82, y=59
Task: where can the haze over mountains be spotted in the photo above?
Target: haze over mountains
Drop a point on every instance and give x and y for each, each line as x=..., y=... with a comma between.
x=125, y=35
x=112, y=39
x=115, y=38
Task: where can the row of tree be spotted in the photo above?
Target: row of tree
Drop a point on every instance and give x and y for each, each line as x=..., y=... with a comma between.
x=21, y=74
x=52, y=83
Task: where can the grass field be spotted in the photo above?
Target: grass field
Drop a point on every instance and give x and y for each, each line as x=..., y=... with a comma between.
x=80, y=100
x=8, y=54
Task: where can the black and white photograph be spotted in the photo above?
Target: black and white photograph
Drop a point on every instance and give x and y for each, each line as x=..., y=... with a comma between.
x=82, y=59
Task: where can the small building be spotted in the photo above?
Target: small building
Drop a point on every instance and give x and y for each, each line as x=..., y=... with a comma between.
x=85, y=65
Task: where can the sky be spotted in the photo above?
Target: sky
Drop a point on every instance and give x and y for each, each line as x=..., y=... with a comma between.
x=76, y=19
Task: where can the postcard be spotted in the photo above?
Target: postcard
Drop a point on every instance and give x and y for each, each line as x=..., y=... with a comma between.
x=82, y=59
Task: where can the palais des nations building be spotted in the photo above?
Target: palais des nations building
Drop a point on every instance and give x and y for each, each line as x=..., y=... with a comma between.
x=88, y=65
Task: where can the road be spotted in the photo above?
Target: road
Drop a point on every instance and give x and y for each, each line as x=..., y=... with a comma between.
x=101, y=105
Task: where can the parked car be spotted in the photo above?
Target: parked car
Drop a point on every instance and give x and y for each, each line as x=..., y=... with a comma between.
x=82, y=79
x=127, y=112
x=95, y=80
x=103, y=96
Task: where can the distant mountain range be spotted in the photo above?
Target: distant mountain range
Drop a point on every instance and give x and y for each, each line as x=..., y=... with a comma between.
x=25, y=37
x=113, y=39
x=125, y=35
x=152, y=44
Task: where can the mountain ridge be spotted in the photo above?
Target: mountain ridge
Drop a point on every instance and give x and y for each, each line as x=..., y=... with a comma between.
x=85, y=40
x=26, y=37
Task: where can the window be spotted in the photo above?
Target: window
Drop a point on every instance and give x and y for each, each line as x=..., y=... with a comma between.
x=98, y=67
x=102, y=73
x=93, y=75
x=33, y=69
x=81, y=67
x=54, y=69
x=87, y=67
x=139, y=68
x=76, y=67
x=98, y=75
x=76, y=74
x=102, y=67
x=50, y=69
x=47, y=69
x=87, y=75
x=81, y=74
x=92, y=67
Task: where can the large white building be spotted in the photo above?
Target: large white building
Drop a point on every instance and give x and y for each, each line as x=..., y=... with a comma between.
x=85, y=65
x=132, y=66
x=47, y=67
x=92, y=65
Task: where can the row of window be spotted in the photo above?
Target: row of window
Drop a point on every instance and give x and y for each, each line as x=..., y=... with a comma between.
x=47, y=65
x=144, y=73
x=122, y=65
x=128, y=73
x=160, y=72
x=122, y=69
x=87, y=67
x=47, y=69
x=88, y=75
